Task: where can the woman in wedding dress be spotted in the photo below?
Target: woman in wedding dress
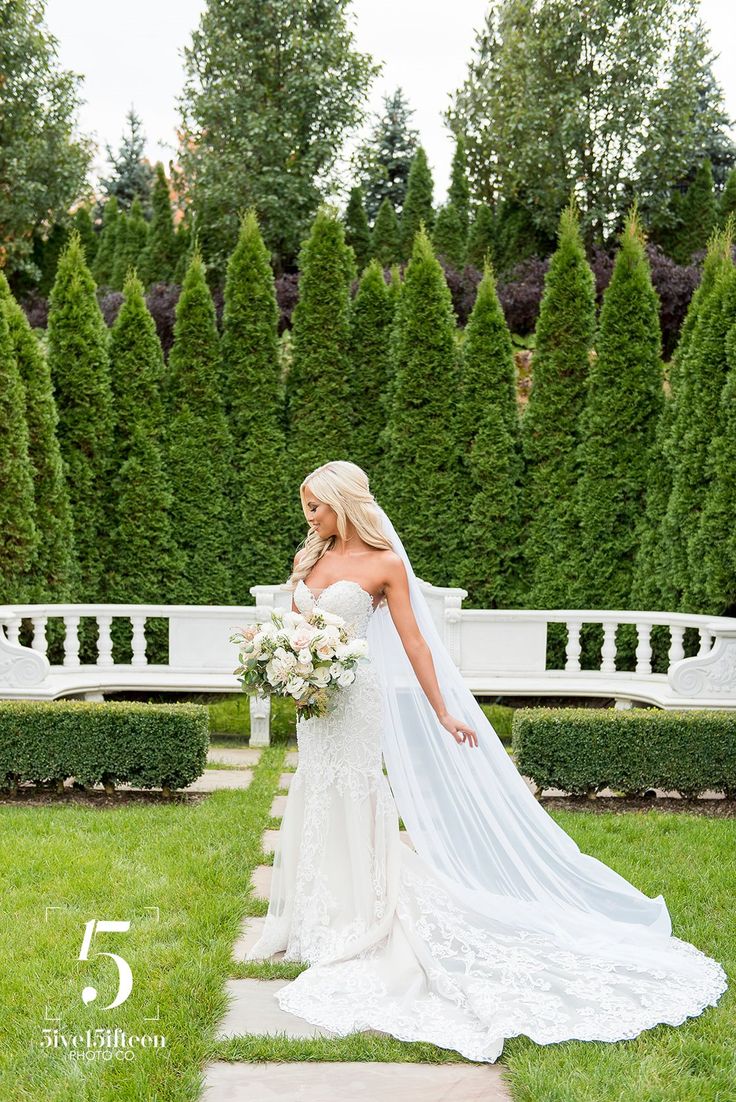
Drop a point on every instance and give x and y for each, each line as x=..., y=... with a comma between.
x=494, y=924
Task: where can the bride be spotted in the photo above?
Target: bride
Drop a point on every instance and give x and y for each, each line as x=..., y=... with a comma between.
x=494, y=924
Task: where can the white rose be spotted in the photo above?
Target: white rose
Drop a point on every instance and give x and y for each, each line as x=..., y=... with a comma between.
x=321, y=676
x=346, y=678
x=295, y=685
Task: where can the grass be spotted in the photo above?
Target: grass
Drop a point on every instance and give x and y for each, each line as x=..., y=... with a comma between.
x=193, y=862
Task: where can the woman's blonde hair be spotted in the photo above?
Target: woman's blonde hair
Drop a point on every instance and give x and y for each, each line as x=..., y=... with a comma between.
x=344, y=486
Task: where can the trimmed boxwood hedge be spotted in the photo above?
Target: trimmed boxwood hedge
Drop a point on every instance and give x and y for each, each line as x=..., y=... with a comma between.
x=108, y=742
x=584, y=750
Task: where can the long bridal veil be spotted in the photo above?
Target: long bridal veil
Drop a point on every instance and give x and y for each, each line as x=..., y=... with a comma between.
x=472, y=817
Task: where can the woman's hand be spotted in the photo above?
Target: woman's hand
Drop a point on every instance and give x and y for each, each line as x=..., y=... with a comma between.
x=459, y=731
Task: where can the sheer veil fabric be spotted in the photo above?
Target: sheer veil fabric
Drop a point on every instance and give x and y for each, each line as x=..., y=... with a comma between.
x=471, y=816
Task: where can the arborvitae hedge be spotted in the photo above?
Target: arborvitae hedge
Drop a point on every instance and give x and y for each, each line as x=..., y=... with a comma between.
x=158, y=259
x=481, y=238
x=459, y=191
x=702, y=376
x=550, y=426
x=418, y=207
x=653, y=585
x=199, y=450
x=104, y=260
x=448, y=239
x=419, y=479
x=50, y=574
x=727, y=205
x=386, y=236
x=489, y=437
x=371, y=318
x=261, y=545
x=357, y=230
x=699, y=213
x=137, y=370
x=78, y=356
x=618, y=425
x=19, y=522
x=318, y=385
x=90, y=241
x=143, y=560
x=710, y=581
x=718, y=532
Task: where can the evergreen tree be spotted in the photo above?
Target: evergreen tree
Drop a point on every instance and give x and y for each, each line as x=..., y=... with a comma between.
x=121, y=259
x=137, y=238
x=706, y=368
x=104, y=261
x=424, y=505
x=550, y=426
x=653, y=586
x=699, y=215
x=318, y=385
x=618, y=425
x=701, y=377
x=448, y=238
x=199, y=450
x=159, y=257
x=83, y=225
x=371, y=318
x=717, y=535
x=481, y=238
x=47, y=253
x=357, y=230
x=383, y=162
x=386, y=236
x=137, y=371
x=17, y=505
x=459, y=191
x=260, y=533
x=77, y=340
x=50, y=573
x=418, y=205
x=489, y=435
x=185, y=243
x=727, y=204
x=144, y=562
x=516, y=236
x=132, y=175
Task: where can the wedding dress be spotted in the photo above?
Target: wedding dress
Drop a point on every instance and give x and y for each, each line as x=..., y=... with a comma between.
x=394, y=942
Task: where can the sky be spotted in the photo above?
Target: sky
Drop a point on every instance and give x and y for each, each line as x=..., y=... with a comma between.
x=131, y=54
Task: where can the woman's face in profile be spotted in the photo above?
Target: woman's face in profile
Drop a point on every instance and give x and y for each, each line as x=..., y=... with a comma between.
x=320, y=516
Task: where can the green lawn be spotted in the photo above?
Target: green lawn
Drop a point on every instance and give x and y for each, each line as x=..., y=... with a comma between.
x=193, y=863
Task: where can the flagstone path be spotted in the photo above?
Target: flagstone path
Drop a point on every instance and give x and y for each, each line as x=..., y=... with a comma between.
x=252, y=1009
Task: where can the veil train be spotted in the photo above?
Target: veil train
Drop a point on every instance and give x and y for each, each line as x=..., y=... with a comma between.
x=472, y=817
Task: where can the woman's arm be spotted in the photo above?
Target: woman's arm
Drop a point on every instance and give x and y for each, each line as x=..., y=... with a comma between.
x=396, y=588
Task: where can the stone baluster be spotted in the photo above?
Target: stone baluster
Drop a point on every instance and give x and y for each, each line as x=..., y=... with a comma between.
x=71, y=640
x=608, y=650
x=138, y=641
x=572, y=647
x=104, y=640
x=644, y=648
x=39, y=643
x=677, y=646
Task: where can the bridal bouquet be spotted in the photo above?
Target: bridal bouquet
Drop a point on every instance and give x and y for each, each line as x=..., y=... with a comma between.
x=306, y=657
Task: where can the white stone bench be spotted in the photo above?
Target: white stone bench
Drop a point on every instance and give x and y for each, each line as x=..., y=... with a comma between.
x=500, y=652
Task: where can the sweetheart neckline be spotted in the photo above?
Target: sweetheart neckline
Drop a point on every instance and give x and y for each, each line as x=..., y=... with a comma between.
x=340, y=581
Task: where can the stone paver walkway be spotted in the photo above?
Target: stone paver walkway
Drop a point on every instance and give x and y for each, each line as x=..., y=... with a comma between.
x=252, y=1009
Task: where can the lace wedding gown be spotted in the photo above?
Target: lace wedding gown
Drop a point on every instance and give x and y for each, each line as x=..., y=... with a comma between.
x=392, y=948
